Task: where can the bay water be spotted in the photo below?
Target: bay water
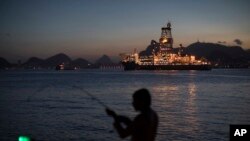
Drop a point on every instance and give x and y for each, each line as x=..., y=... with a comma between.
x=54, y=105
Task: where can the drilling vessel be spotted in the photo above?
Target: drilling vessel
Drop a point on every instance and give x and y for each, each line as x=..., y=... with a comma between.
x=162, y=56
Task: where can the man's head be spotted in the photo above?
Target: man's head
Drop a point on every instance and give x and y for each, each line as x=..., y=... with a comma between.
x=141, y=99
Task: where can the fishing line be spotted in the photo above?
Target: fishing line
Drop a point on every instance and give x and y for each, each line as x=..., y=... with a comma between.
x=40, y=89
x=94, y=98
x=91, y=95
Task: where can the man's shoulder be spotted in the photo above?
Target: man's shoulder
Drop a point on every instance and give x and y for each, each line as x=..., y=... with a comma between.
x=154, y=113
x=138, y=117
x=145, y=116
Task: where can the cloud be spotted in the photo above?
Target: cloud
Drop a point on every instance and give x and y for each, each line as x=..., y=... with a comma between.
x=238, y=41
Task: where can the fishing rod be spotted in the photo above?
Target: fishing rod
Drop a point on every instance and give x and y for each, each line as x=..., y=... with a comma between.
x=109, y=111
x=91, y=95
x=74, y=86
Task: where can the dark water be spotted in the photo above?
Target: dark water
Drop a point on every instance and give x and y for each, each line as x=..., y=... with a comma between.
x=192, y=105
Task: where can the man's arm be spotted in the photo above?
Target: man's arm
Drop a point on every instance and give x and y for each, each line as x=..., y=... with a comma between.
x=111, y=113
x=123, y=132
x=124, y=119
x=118, y=118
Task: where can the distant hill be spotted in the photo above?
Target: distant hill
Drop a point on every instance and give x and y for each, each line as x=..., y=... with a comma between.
x=104, y=60
x=4, y=63
x=153, y=45
x=80, y=63
x=207, y=49
x=248, y=52
x=33, y=62
x=220, y=54
x=55, y=60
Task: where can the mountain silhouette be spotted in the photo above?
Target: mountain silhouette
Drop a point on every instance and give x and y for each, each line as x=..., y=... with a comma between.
x=153, y=46
x=33, y=62
x=232, y=56
x=4, y=63
x=207, y=50
x=80, y=63
x=61, y=58
x=104, y=60
x=56, y=60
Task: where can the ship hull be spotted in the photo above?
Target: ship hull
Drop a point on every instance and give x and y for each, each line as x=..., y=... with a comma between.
x=133, y=66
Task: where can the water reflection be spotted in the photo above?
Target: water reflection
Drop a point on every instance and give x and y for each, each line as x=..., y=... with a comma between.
x=165, y=90
x=165, y=96
x=191, y=108
x=177, y=109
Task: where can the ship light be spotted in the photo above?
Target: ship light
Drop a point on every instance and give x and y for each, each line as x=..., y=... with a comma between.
x=192, y=58
x=164, y=40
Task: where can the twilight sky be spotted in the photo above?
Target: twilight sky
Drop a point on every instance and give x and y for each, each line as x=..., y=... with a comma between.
x=91, y=28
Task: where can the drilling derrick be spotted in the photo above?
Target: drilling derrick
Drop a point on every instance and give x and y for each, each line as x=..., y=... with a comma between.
x=166, y=40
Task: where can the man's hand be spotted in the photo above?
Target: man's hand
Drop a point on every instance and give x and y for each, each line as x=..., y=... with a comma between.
x=111, y=113
x=123, y=119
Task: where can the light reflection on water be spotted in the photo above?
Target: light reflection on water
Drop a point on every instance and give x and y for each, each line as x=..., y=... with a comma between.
x=185, y=116
x=192, y=105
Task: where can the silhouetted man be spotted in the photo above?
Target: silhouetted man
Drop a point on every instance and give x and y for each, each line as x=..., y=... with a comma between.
x=144, y=126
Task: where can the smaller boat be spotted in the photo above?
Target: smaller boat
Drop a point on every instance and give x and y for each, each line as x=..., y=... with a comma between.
x=65, y=67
